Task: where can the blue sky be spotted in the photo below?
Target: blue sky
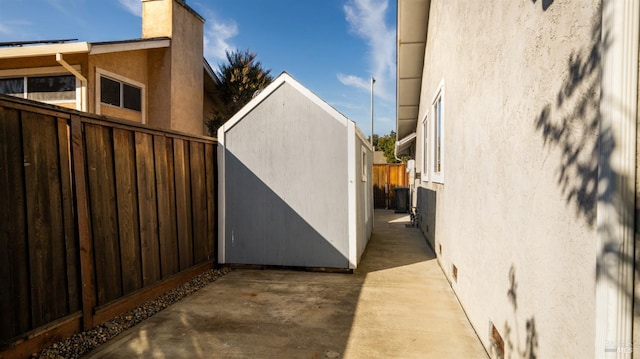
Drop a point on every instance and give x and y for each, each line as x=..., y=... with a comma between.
x=332, y=47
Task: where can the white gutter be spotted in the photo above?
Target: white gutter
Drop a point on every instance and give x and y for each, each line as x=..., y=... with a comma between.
x=78, y=75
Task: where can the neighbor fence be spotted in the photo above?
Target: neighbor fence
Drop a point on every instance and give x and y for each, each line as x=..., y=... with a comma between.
x=96, y=217
x=386, y=177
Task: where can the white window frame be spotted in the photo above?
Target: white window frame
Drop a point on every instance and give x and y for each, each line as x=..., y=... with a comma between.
x=437, y=177
x=363, y=158
x=143, y=92
x=46, y=71
x=424, y=175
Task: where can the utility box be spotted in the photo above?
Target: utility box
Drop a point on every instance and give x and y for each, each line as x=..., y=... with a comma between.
x=402, y=199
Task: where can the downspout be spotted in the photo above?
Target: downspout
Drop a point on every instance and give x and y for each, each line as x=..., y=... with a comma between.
x=78, y=75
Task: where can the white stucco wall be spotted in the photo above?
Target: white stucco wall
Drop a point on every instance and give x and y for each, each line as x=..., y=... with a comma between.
x=516, y=211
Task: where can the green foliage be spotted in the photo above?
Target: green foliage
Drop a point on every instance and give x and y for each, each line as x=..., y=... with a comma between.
x=386, y=144
x=236, y=82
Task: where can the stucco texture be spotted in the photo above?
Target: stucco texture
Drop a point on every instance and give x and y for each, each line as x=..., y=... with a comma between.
x=516, y=211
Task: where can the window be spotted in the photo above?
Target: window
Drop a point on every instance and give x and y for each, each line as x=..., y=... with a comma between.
x=425, y=149
x=437, y=135
x=120, y=94
x=364, y=163
x=50, y=89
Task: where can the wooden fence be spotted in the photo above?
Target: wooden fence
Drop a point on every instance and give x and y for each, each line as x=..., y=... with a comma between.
x=96, y=217
x=385, y=178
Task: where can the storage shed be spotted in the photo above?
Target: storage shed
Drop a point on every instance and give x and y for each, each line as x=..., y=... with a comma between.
x=294, y=182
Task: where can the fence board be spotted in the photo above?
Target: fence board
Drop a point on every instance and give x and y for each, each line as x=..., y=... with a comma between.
x=70, y=241
x=210, y=164
x=183, y=203
x=44, y=218
x=104, y=224
x=14, y=279
x=163, y=152
x=199, y=203
x=83, y=221
x=126, y=195
x=147, y=209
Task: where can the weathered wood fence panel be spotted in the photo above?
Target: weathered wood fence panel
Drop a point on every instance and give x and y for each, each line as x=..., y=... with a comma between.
x=96, y=216
x=385, y=178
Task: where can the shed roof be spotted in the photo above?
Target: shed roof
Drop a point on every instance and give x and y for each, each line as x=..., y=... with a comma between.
x=277, y=83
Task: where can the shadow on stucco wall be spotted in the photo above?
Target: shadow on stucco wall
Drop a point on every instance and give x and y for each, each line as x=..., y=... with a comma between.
x=571, y=125
x=545, y=3
x=518, y=345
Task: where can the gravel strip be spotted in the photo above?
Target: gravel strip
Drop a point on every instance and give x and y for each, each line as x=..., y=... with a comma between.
x=82, y=343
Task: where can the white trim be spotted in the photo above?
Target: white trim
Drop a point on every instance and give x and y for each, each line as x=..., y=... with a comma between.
x=363, y=165
x=33, y=71
x=44, y=50
x=279, y=81
x=424, y=174
x=97, y=49
x=221, y=198
x=352, y=194
x=126, y=80
x=437, y=177
x=616, y=179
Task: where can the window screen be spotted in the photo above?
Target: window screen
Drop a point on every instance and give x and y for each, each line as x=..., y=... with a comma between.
x=109, y=91
x=14, y=87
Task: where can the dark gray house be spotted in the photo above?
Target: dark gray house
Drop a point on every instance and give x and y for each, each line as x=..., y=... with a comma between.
x=294, y=182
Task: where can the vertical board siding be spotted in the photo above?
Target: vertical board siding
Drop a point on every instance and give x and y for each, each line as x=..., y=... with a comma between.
x=163, y=152
x=44, y=218
x=102, y=194
x=211, y=182
x=95, y=210
x=199, y=203
x=127, y=199
x=15, y=298
x=147, y=208
x=70, y=244
x=183, y=203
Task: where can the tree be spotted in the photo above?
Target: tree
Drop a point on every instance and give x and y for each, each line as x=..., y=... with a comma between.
x=386, y=144
x=236, y=83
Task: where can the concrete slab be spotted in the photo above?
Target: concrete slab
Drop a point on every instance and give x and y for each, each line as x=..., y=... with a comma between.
x=397, y=304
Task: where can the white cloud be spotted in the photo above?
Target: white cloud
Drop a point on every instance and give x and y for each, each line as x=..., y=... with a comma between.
x=132, y=6
x=366, y=20
x=216, y=38
x=354, y=81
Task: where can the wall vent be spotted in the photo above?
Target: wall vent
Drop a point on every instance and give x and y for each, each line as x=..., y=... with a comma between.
x=440, y=249
x=496, y=341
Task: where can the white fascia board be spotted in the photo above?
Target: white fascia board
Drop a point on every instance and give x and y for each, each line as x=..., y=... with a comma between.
x=403, y=143
x=44, y=50
x=352, y=195
x=362, y=137
x=221, y=198
x=128, y=46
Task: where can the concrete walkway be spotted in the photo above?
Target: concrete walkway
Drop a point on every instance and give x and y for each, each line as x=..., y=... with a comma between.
x=398, y=304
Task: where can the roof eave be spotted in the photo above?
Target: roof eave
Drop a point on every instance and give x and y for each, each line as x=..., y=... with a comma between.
x=44, y=50
x=412, y=25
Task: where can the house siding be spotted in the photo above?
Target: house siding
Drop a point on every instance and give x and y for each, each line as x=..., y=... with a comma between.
x=516, y=212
